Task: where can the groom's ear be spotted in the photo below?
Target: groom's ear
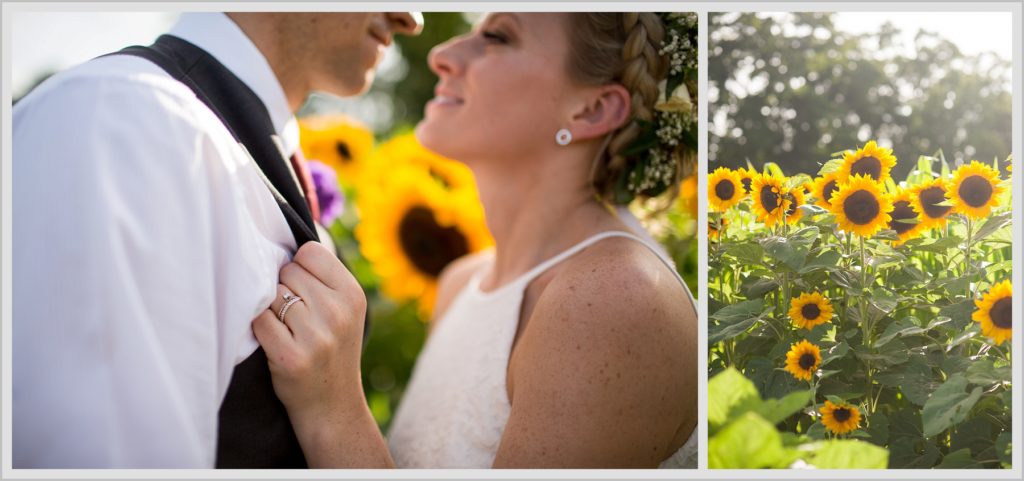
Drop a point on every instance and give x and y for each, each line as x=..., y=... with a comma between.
x=605, y=109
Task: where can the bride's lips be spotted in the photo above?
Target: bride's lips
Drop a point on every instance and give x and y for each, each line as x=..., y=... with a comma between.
x=445, y=98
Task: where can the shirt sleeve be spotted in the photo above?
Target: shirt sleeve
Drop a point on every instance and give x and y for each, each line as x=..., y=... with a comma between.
x=120, y=259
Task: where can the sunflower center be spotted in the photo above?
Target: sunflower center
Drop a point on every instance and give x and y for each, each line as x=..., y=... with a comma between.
x=792, y=205
x=930, y=198
x=902, y=211
x=428, y=245
x=869, y=166
x=724, y=189
x=810, y=311
x=746, y=184
x=343, y=151
x=976, y=191
x=1000, y=313
x=830, y=187
x=807, y=361
x=841, y=414
x=861, y=207
x=769, y=199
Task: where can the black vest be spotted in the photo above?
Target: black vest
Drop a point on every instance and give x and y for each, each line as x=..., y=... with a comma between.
x=253, y=428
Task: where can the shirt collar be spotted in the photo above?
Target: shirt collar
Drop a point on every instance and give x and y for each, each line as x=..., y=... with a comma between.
x=219, y=36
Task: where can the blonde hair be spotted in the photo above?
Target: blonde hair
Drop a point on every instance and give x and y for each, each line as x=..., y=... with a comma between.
x=619, y=47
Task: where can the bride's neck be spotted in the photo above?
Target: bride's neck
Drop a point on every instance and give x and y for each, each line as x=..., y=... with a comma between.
x=535, y=216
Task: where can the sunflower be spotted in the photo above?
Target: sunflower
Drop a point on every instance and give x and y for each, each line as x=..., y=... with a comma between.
x=994, y=312
x=904, y=219
x=767, y=193
x=803, y=359
x=724, y=189
x=405, y=149
x=338, y=141
x=975, y=189
x=810, y=309
x=925, y=199
x=823, y=188
x=860, y=206
x=840, y=418
x=794, y=199
x=411, y=229
x=687, y=200
x=870, y=161
x=747, y=175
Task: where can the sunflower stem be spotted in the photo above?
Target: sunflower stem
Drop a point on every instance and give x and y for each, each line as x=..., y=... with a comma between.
x=814, y=395
x=967, y=257
x=865, y=325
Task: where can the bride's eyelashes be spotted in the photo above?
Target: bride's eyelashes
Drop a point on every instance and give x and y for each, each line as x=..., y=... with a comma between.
x=493, y=36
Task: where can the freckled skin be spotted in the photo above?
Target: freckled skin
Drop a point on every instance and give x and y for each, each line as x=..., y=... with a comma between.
x=619, y=371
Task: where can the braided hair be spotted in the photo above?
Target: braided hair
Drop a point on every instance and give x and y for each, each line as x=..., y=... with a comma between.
x=620, y=47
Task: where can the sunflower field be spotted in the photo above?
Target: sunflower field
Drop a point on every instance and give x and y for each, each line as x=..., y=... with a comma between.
x=857, y=320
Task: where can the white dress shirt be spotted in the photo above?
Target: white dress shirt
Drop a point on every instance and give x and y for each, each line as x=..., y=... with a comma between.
x=144, y=243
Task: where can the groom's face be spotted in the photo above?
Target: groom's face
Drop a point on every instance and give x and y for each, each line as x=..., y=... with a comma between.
x=342, y=50
x=502, y=90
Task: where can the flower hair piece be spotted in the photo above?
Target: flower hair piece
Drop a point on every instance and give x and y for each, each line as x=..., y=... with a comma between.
x=671, y=136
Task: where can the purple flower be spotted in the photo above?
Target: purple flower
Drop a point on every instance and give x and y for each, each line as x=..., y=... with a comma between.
x=328, y=192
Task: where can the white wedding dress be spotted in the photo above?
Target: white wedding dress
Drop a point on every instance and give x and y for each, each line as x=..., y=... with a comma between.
x=456, y=406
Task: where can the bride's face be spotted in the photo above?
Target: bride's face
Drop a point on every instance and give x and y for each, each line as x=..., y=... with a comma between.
x=503, y=88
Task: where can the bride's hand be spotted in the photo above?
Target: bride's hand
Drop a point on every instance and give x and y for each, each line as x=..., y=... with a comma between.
x=314, y=351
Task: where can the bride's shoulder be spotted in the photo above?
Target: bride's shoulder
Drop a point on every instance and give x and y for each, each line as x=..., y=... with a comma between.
x=455, y=276
x=618, y=282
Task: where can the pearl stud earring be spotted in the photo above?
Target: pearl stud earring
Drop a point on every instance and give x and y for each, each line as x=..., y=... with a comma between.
x=563, y=137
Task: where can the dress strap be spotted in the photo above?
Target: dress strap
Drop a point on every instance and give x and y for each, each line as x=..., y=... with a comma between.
x=543, y=266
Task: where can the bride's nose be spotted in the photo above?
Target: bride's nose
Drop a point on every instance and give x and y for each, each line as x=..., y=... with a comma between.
x=444, y=59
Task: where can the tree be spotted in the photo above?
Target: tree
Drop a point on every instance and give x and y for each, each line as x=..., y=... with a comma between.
x=793, y=90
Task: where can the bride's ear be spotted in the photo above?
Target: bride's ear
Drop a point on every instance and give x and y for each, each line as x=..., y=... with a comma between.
x=606, y=108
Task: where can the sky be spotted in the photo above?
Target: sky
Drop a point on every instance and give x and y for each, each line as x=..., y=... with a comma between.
x=47, y=41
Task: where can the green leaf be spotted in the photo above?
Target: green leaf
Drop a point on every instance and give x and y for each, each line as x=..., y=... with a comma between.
x=785, y=251
x=777, y=410
x=901, y=328
x=959, y=313
x=812, y=209
x=883, y=301
x=826, y=260
x=960, y=459
x=992, y=225
x=848, y=454
x=894, y=352
x=749, y=442
x=941, y=245
x=739, y=311
x=938, y=321
x=908, y=448
x=975, y=434
x=835, y=352
x=983, y=372
x=727, y=391
x=817, y=431
x=746, y=252
x=948, y=405
x=736, y=319
x=915, y=379
x=1003, y=447
x=846, y=279
x=878, y=429
x=835, y=399
x=754, y=287
x=830, y=166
